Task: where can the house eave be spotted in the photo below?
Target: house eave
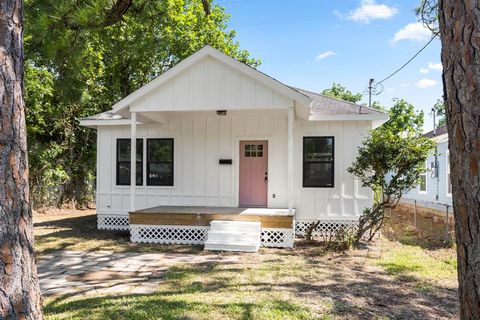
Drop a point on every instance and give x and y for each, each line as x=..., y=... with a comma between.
x=440, y=138
x=97, y=123
x=349, y=117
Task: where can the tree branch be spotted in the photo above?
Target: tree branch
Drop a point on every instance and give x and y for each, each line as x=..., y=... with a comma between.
x=117, y=12
x=206, y=7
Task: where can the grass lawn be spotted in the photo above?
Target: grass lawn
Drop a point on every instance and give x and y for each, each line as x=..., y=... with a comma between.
x=77, y=230
x=391, y=279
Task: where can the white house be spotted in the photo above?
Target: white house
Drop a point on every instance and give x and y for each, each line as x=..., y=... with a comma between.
x=216, y=141
x=435, y=189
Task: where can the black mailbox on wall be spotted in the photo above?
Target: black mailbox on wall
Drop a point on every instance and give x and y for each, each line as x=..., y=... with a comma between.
x=225, y=161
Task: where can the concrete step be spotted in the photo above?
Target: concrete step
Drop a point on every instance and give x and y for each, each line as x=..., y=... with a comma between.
x=239, y=246
x=231, y=236
x=236, y=226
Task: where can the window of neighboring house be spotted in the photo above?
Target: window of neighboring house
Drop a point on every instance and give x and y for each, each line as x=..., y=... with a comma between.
x=123, y=162
x=318, y=162
x=422, y=186
x=449, y=182
x=159, y=162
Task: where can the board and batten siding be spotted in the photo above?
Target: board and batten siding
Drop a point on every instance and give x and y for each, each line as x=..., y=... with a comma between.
x=347, y=199
x=208, y=84
x=202, y=138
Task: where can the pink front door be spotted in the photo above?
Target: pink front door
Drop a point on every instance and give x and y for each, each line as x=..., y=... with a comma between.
x=253, y=173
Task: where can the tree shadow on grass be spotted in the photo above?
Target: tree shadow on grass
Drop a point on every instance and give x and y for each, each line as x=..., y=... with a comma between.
x=69, y=233
x=225, y=291
x=159, y=306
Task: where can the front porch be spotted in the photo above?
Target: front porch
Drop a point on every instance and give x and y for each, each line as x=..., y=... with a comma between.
x=190, y=224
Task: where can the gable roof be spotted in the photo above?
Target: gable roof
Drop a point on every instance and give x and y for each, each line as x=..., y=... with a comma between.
x=276, y=85
x=309, y=105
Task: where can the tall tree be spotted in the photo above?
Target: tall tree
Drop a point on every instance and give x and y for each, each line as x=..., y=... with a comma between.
x=404, y=118
x=82, y=58
x=20, y=296
x=459, y=23
x=341, y=92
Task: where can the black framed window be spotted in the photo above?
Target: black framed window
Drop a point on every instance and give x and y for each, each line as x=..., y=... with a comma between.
x=318, y=162
x=123, y=162
x=159, y=162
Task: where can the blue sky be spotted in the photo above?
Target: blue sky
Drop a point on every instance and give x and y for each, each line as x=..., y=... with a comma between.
x=313, y=43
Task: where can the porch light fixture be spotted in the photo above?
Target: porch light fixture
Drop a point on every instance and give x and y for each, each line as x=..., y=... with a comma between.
x=221, y=112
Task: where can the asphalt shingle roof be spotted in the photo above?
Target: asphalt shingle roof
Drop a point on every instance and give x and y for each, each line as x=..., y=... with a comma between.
x=327, y=105
x=440, y=130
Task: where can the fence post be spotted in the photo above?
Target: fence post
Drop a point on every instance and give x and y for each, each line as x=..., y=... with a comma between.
x=446, y=225
x=415, y=213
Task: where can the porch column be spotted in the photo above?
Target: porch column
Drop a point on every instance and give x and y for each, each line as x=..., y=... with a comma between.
x=133, y=159
x=291, y=118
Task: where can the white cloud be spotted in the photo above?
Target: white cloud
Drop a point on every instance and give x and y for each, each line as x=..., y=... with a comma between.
x=431, y=66
x=426, y=83
x=369, y=10
x=435, y=66
x=324, y=55
x=413, y=31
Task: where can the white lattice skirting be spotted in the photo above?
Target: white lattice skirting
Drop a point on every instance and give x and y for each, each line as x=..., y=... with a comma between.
x=325, y=228
x=112, y=222
x=168, y=234
x=277, y=237
x=140, y=233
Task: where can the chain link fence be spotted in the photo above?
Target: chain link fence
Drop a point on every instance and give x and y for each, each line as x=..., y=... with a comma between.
x=435, y=223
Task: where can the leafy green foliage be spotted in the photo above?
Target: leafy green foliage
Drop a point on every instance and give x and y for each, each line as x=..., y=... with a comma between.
x=80, y=61
x=378, y=106
x=390, y=162
x=439, y=109
x=404, y=118
x=340, y=92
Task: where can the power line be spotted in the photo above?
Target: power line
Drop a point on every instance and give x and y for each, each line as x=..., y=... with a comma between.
x=409, y=60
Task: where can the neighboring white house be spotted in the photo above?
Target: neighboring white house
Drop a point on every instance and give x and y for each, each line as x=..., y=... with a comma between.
x=435, y=189
x=214, y=132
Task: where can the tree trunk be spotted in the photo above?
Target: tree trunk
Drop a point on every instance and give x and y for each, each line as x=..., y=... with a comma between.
x=20, y=296
x=460, y=34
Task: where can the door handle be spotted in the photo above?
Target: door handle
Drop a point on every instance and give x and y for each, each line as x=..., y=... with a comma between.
x=266, y=177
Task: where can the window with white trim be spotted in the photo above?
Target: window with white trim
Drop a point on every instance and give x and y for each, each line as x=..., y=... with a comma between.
x=318, y=162
x=123, y=162
x=422, y=186
x=160, y=162
x=447, y=170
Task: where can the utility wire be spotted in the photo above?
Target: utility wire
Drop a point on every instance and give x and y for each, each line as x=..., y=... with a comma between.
x=409, y=60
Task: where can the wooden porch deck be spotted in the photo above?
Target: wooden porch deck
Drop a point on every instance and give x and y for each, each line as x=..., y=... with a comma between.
x=202, y=216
